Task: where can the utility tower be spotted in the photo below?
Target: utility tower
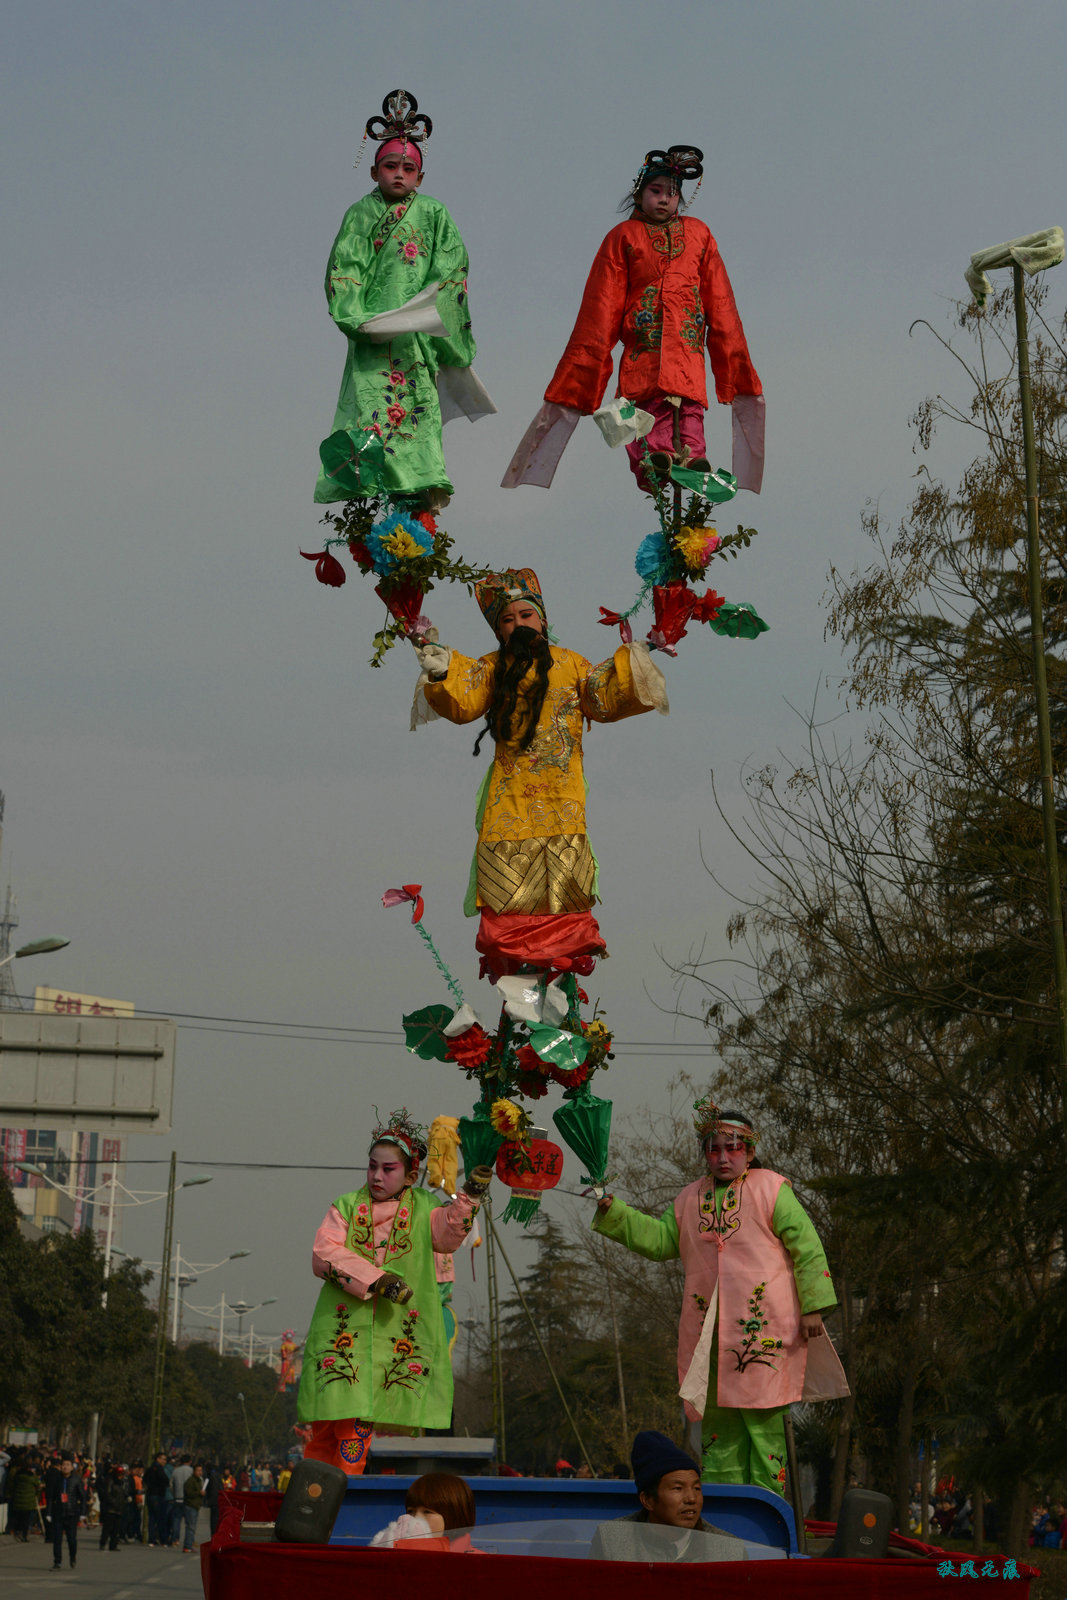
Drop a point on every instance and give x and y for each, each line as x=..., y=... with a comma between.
x=9, y=921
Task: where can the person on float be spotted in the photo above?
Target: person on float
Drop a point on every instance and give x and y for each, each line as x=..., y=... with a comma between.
x=669, y=1489
x=751, y=1340
x=436, y=1505
x=375, y=1351
x=397, y=246
x=534, y=874
x=659, y=285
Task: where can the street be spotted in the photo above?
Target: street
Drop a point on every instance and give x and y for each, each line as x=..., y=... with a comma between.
x=127, y=1573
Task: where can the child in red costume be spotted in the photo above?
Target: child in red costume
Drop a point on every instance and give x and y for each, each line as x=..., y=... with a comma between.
x=659, y=285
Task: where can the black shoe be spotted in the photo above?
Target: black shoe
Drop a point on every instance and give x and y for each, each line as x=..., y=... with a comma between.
x=73, y=1562
x=57, y=1566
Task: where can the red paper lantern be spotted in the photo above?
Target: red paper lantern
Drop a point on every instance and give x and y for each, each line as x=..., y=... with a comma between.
x=528, y=1169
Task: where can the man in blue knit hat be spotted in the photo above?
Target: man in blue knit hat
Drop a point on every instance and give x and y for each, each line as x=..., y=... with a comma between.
x=669, y=1489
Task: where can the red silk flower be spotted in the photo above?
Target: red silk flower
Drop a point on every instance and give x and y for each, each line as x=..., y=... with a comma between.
x=360, y=555
x=410, y=891
x=673, y=606
x=611, y=619
x=470, y=1049
x=707, y=606
x=404, y=599
x=328, y=569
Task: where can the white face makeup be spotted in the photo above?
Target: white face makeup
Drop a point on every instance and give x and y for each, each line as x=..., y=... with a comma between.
x=387, y=1172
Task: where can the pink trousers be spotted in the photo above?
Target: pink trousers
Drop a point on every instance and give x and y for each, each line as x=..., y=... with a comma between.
x=691, y=422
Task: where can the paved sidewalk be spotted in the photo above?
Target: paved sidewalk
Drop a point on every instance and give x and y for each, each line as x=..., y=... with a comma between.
x=132, y=1572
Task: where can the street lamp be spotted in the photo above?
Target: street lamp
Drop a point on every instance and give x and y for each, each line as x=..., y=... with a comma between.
x=39, y=947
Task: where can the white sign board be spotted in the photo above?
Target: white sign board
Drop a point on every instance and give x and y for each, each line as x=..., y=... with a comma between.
x=86, y=1072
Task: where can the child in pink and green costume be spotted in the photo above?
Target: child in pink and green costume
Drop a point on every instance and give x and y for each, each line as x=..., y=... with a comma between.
x=751, y=1340
x=376, y=1351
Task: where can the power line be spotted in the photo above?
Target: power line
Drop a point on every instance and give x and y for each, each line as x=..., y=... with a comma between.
x=314, y=1032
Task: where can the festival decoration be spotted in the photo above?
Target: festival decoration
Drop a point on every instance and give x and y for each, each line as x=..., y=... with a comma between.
x=584, y=1124
x=404, y=549
x=528, y=1168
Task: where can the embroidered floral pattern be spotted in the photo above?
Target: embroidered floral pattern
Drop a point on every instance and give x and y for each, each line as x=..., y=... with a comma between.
x=756, y=1350
x=336, y=1363
x=398, y=417
x=648, y=323
x=408, y=1368
x=692, y=329
x=701, y=1305
x=410, y=243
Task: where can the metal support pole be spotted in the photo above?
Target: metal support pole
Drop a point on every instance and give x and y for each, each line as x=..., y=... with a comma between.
x=1037, y=634
x=496, y=1381
x=156, y=1423
x=544, y=1352
x=794, y=1482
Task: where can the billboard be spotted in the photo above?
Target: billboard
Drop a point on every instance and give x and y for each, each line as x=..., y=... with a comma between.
x=112, y=1073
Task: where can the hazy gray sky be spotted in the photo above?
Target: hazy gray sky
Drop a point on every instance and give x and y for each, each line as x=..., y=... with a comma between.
x=208, y=788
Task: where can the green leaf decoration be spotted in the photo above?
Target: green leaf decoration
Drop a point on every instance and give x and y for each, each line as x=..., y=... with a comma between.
x=738, y=622
x=584, y=1124
x=478, y=1139
x=353, y=461
x=716, y=487
x=424, y=1032
x=562, y=1049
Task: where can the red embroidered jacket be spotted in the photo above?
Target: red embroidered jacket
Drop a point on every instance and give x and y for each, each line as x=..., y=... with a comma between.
x=662, y=288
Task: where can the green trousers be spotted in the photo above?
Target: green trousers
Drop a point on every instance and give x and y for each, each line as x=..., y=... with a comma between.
x=742, y=1446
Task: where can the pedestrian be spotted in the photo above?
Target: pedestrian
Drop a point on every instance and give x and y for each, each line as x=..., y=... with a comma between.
x=157, y=1488
x=25, y=1487
x=67, y=1504
x=194, y=1499
x=112, y=1508
x=178, y=1479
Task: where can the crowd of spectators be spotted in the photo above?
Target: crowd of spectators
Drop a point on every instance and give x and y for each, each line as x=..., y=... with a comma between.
x=54, y=1493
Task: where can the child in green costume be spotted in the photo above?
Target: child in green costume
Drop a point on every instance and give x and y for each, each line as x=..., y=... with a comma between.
x=396, y=286
x=376, y=1350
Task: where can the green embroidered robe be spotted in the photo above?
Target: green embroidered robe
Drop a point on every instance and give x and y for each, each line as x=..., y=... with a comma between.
x=370, y=1359
x=385, y=253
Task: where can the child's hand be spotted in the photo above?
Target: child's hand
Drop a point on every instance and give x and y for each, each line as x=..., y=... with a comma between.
x=605, y=1203
x=811, y=1326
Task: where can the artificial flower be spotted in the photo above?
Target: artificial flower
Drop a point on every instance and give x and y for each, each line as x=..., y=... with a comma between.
x=708, y=606
x=509, y=1119
x=328, y=569
x=611, y=619
x=653, y=558
x=360, y=555
x=404, y=599
x=529, y=1061
x=532, y=1085
x=470, y=1049
x=696, y=546
x=410, y=891
x=673, y=606
x=394, y=540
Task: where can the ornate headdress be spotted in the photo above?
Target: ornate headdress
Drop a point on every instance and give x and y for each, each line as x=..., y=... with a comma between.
x=682, y=162
x=708, y=1119
x=497, y=592
x=401, y=1129
x=399, y=120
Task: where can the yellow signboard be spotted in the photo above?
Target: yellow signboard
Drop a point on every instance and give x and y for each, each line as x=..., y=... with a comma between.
x=64, y=1003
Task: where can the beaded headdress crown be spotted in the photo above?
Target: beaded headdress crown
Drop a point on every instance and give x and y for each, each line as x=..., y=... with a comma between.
x=399, y=119
x=497, y=592
x=683, y=161
x=708, y=1119
x=401, y=1129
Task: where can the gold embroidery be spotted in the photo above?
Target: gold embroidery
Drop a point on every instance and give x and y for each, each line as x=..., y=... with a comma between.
x=533, y=877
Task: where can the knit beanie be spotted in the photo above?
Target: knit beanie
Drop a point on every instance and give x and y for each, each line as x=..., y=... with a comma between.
x=652, y=1456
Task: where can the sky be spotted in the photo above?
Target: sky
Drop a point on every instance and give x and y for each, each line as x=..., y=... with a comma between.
x=208, y=788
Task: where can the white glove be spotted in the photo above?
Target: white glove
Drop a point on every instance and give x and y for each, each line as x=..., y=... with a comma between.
x=433, y=659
